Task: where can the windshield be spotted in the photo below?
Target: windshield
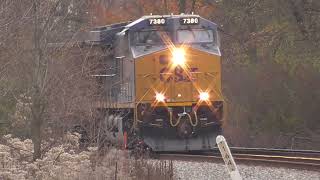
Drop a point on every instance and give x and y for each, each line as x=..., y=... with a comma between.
x=195, y=36
x=148, y=37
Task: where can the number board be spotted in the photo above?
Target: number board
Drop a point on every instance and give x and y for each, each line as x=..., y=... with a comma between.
x=189, y=20
x=157, y=21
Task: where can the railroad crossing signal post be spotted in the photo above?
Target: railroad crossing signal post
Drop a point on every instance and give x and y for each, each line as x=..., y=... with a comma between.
x=227, y=158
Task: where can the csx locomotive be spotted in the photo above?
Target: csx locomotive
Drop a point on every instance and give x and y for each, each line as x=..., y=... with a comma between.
x=163, y=82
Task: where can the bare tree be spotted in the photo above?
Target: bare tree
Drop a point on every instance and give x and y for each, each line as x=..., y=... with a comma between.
x=36, y=44
x=50, y=20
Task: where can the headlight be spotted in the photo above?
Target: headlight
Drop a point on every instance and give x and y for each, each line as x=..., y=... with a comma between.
x=204, y=96
x=178, y=56
x=160, y=97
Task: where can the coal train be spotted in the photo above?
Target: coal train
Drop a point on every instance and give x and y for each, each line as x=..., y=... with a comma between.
x=163, y=82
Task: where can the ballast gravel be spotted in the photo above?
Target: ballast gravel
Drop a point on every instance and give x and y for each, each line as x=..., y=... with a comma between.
x=216, y=171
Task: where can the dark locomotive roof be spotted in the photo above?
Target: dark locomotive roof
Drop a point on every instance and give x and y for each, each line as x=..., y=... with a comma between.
x=171, y=24
x=172, y=20
x=105, y=35
x=177, y=28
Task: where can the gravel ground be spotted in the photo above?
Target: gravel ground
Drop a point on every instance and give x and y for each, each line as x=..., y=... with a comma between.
x=210, y=171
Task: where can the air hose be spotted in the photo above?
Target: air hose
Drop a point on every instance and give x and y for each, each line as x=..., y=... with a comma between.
x=179, y=119
x=171, y=120
x=190, y=119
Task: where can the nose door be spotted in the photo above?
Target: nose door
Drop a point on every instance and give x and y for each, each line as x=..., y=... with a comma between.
x=182, y=87
x=176, y=81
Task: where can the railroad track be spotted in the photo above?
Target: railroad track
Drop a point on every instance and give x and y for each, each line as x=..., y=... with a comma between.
x=255, y=156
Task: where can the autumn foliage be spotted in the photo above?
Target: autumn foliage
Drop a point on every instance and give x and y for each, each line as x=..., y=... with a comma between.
x=118, y=11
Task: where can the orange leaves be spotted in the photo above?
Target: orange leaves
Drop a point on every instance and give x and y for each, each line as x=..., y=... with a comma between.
x=150, y=6
x=204, y=8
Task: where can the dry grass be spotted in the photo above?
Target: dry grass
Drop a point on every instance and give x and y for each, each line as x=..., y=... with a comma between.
x=155, y=170
x=65, y=161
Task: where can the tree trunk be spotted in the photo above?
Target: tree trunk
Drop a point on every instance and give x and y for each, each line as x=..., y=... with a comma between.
x=298, y=12
x=182, y=6
x=193, y=5
x=252, y=49
x=37, y=105
x=36, y=127
x=166, y=7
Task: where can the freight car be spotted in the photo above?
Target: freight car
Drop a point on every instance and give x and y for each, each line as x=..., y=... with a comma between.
x=163, y=82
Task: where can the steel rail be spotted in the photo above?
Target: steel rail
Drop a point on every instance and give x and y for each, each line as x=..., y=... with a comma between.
x=301, y=159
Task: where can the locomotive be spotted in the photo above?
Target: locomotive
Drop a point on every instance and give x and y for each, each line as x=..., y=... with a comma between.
x=162, y=84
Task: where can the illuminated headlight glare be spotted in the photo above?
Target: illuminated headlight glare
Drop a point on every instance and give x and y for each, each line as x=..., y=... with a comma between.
x=204, y=96
x=178, y=56
x=160, y=97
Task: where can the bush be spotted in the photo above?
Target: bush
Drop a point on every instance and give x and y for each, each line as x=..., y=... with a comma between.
x=66, y=161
